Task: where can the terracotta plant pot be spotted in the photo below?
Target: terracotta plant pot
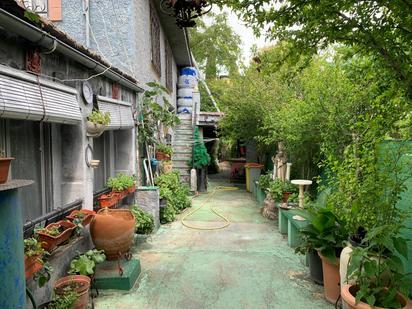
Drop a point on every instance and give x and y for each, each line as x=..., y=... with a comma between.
x=88, y=215
x=131, y=189
x=112, y=230
x=4, y=169
x=94, y=130
x=108, y=200
x=167, y=168
x=161, y=156
x=348, y=297
x=78, y=283
x=331, y=279
x=285, y=196
x=32, y=264
x=51, y=242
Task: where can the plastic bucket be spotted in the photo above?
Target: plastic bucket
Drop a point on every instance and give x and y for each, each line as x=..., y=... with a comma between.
x=253, y=171
x=184, y=110
x=187, y=81
x=186, y=93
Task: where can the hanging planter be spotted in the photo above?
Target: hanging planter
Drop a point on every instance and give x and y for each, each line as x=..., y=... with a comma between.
x=77, y=283
x=84, y=215
x=163, y=153
x=4, y=168
x=96, y=123
x=55, y=234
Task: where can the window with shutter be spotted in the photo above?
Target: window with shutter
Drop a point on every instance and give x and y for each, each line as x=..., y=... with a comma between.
x=169, y=66
x=155, y=39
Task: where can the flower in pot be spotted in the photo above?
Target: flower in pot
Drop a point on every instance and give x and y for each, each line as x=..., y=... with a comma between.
x=33, y=256
x=73, y=290
x=97, y=122
x=376, y=276
x=4, y=166
x=83, y=216
x=85, y=264
x=55, y=234
x=164, y=152
x=326, y=234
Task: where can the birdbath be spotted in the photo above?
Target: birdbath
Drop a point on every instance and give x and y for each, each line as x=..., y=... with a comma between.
x=301, y=183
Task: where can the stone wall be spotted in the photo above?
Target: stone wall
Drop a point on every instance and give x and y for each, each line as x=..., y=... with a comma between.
x=147, y=198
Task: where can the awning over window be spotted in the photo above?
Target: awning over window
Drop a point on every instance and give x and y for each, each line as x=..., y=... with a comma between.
x=121, y=116
x=23, y=96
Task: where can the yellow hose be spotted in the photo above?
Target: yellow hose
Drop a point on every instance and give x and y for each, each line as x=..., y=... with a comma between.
x=211, y=195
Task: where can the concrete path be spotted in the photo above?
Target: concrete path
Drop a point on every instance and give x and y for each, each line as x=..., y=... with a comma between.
x=247, y=265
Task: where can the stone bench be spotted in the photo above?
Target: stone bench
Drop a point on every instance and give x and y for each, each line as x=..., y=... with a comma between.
x=290, y=226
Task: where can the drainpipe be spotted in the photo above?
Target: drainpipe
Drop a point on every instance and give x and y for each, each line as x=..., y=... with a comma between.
x=44, y=39
x=86, y=13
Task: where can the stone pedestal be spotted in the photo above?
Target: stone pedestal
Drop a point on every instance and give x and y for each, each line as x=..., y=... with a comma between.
x=147, y=198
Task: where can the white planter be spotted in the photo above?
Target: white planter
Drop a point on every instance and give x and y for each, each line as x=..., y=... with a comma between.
x=183, y=102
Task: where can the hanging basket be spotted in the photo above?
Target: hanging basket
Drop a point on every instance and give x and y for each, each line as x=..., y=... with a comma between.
x=94, y=129
x=161, y=156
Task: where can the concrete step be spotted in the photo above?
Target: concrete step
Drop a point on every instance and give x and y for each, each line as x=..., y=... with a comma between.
x=181, y=138
x=181, y=164
x=182, y=156
x=185, y=116
x=182, y=148
x=183, y=132
x=185, y=180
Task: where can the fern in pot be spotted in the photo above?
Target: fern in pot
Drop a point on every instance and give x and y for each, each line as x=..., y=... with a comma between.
x=97, y=122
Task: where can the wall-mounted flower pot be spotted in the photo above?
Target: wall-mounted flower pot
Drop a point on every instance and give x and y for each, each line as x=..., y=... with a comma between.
x=87, y=215
x=131, y=189
x=161, y=156
x=348, y=297
x=331, y=279
x=51, y=242
x=94, y=129
x=108, y=200
x=32, y=264
x=78, y=283
x=112, y=230
x=4, y=169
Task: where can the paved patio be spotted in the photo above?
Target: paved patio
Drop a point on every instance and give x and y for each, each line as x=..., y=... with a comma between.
x=247, y=265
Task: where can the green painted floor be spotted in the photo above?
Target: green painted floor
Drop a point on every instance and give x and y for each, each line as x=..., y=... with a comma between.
x=247, y=265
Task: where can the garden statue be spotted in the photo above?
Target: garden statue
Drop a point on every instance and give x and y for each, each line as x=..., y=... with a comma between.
x=280, y=162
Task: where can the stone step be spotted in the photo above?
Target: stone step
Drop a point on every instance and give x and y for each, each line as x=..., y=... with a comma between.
x=185, y=116
x=181, y=164
x=183, y=132
x=182, y=157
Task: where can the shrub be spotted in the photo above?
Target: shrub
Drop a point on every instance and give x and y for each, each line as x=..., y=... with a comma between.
x=144, y=220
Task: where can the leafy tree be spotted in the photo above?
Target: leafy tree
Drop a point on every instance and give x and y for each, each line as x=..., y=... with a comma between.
x=216, y=47
x=200, y=156
x=381, y=28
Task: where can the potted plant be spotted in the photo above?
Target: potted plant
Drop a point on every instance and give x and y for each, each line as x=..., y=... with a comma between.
x=128, y=182
x=144, y=220
x=201, y=160
x=83, y=216
x=4, y=166
x=376, y=276
x=85, y=264
x=108, y=200
x=65, y=300
x=326, y=233
x=78, y=285
x=33, y=256
x=97, y=122
x=287, y=189
x=55, y=234
x=163, y=152
x=167, y=166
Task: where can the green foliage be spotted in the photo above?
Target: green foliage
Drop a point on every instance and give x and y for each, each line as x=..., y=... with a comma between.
x=201, y=158
x=33, y=247
x=85, y=264
x=144, y=220
x=324, y=233
x=165, y=149
x=379, y=28
x=65, y=299
x=265, y=181
x=43, y=275
x=216, y=46
x=120, y=182
x=175, y=193
x=98, y=117
x=277, y=187
x=154, y=112
x=376, y=268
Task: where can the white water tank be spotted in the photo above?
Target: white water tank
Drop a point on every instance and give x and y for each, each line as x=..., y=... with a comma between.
x=185, y=93
x=185, y=102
